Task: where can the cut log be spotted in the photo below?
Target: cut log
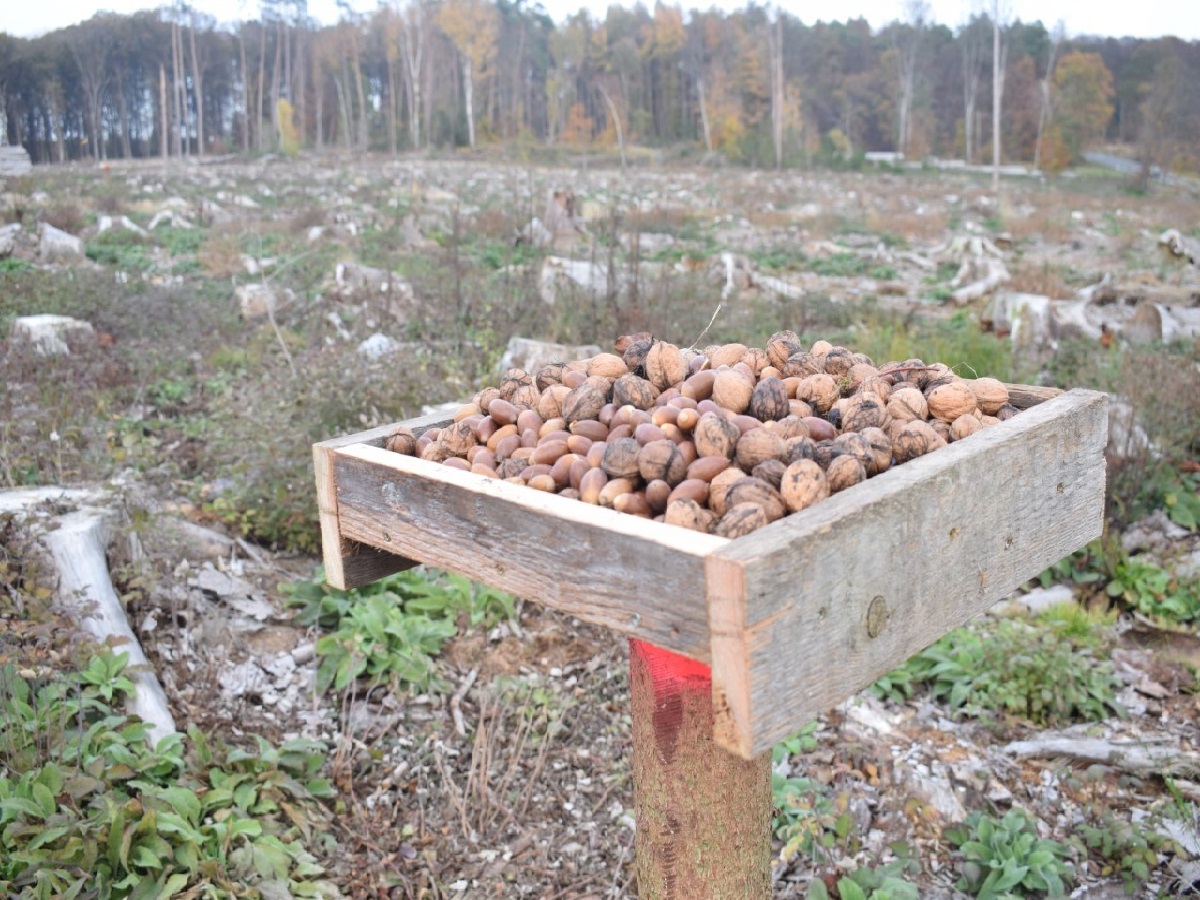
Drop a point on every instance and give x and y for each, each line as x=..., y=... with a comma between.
x=76, y=546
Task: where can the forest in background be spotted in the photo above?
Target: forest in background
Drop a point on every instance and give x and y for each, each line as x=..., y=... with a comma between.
x=754, y=86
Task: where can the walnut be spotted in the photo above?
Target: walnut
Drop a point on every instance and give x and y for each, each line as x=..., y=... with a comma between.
x=607, y=364
x=689, y=514
x=635, y=353
x=864, y=410
x=915, y=439
x=780, y=346
x=845, y=472
x=741, y=520
x=630, y=390
x=964, y=426
x=716, y=436
x=769, y=400
x=760, y=493
x=585, y=402
x=907, y=403
x=725, y=355
x=838, y=361
x=818, y=391
x=881, y=450
x=757, y=445
x=801, y=364
x=665, y=365
x=732, y=390
x=718, y=488
x=990, y=395
x=621, y=458
x=660, y=460
x=402, y=440
x=803, y=484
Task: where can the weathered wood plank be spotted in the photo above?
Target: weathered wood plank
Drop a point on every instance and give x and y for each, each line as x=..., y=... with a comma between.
x=1023, y=396
x=833, y=597
x=350, y=564
x=638, y=577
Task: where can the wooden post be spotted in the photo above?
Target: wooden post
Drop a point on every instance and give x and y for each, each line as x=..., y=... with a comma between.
x=703, y=814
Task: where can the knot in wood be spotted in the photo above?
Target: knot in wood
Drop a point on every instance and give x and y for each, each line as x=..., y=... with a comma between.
x=877, y=616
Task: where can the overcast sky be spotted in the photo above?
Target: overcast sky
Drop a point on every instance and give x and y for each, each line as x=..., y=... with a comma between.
x=1145, y=18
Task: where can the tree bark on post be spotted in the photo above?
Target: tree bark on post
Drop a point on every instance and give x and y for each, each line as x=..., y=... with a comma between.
x=703, y=814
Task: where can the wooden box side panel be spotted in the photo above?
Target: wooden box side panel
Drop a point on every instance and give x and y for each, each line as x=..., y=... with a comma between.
x=638, y=577
x=834, y=597
x=350, y=564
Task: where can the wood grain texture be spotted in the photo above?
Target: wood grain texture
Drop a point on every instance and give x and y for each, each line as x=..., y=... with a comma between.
x=841, y=593
x=350, y=564
x=638, y=577
x=1024, y=396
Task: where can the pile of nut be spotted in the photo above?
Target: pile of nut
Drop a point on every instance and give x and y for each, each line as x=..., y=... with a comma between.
x=723, y=440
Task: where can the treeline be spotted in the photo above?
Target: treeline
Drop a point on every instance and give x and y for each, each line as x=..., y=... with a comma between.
x=752, y=86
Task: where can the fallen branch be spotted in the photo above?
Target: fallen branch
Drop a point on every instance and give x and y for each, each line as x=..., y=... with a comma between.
x=1139, y=758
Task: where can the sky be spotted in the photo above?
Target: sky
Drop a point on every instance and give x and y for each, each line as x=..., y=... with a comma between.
x=1145, y=19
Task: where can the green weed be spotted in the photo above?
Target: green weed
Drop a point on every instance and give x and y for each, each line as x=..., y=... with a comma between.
x=1005, y=857
x=1040, y=673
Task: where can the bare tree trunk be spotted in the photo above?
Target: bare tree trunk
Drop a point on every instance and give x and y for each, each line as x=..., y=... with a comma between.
x=363, y=141
x=162, y=112
x=343, y=106
x=197, y=90
x=262, y=71
x=178, y=111
x=998, y=66
x=123, y=114
x=319, y=100
x=245, y=93
x=413, y=48
x=391, y=104
x=708, y=144
x=296, y=85
x=775, y=48
x=612, y=111
x=1047, y=111
x=275, y=67
x=469, y=97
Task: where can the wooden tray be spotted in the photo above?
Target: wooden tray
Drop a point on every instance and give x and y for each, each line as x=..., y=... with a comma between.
x=793, y=618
